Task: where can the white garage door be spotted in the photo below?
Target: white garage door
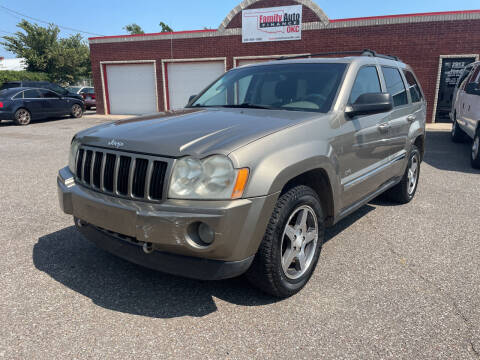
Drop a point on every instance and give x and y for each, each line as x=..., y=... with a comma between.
x=187, y=79
x=131, y=89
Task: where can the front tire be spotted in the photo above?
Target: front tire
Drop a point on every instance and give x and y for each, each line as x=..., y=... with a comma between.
x=476, y=151
x=406, y=189
x=76, y=111
x=22, y=117
x=291, y=245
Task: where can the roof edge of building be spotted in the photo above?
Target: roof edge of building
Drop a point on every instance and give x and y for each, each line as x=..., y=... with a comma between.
x=332, y=24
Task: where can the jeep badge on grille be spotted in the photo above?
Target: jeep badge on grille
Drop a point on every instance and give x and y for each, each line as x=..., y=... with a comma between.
x=116, y=144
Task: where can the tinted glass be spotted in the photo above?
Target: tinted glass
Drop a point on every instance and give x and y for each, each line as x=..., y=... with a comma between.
x=74, y=89
x=295, y=87
x=48, y=94
x=57, y=89
x=31, y=94
x=413, y=87
x=19, y=95
x=367, y=81
x=395, y=86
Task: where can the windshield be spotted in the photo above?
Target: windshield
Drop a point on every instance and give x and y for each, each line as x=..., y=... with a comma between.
x=298, y=87
x=74, y=89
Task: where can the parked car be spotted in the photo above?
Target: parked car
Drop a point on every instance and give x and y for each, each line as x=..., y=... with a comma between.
x=23, y=104
x=90, y=98
x=466, y=110
x=42, y=85
x=247, y=177
x=88, y=94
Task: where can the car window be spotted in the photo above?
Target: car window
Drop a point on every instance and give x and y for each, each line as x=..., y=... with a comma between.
x=19, y=95
x=462, y=79
x=413, y=87
x=57, y=89
x=293, y=87
x=473, y=84
x=395, y=86
x=367, y=81
x=31, y=94
x=48, y=94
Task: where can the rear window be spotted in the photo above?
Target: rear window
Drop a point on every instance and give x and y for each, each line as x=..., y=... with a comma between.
x=413, y=87
x=395, y=86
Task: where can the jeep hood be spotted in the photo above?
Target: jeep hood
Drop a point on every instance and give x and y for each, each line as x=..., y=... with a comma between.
x=198, y=132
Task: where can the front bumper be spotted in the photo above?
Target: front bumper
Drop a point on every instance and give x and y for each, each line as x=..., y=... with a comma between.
x=239, y=226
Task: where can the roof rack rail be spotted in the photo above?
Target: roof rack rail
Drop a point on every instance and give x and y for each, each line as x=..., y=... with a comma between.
x=364, y=52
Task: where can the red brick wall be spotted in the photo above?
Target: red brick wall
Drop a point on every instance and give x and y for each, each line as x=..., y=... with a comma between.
x=418, y=44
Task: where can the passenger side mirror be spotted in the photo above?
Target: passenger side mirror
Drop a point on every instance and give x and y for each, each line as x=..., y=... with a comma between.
x=369, y=104
x=190, y=99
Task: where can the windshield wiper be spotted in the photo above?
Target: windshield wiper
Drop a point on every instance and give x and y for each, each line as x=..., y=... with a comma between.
x=247, y=106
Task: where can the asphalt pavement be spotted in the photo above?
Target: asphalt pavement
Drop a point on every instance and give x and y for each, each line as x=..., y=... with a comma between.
x=400, y=282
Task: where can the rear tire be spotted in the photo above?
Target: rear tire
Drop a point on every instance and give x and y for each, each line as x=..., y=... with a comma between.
x=406, y=189
x=76, y=111
x=291, y=245
x=475, y=159
x=458, y=135
x=22, y=117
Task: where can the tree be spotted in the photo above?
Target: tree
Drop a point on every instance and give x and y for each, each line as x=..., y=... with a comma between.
x=165, y=27
x=134, y=29
x=64, y=60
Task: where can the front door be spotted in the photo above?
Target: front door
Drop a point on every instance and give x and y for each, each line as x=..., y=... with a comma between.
x=362, y=147
x=450, y=71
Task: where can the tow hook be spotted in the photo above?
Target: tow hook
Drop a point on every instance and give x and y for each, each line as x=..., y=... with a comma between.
x=148, y=248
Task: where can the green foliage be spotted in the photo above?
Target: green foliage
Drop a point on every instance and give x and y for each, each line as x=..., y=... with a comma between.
x=133, y=29
x=7, y=75
x=165, y=27
x=64, y=60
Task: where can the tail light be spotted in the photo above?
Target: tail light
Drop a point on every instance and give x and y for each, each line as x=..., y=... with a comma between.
x=1, y=104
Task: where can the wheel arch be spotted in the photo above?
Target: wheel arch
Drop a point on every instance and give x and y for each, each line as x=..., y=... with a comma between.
x=319, y=181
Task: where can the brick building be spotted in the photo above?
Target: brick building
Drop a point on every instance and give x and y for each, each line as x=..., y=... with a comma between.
x=156, y=72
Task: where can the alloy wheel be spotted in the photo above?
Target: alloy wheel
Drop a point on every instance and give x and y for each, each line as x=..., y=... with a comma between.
x=413, y=174
x=299, y=242
x=23, y=117
x=76, y=110
x=476, y=147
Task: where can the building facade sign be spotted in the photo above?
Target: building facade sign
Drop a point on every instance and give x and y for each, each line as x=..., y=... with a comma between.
x=272, y=24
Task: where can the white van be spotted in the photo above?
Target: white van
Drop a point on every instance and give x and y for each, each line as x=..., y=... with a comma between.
x=466, y=110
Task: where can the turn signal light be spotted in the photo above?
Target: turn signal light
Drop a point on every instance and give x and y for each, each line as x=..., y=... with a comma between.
x=240, y=184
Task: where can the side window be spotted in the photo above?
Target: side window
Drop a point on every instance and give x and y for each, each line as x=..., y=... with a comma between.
x=462, y=79
x=413, y=87
x=395, y=86
x=19, y=95
x=48, y=94
x=367, y=81
x=31, y=94
x=473, y=85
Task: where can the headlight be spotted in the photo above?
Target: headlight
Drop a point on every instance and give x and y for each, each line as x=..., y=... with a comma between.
x=73, y=155
x=210, y=178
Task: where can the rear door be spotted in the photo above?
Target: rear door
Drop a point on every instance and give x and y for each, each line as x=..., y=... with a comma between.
x=33, y=102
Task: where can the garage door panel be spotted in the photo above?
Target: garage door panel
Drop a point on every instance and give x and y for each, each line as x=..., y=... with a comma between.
x=187, y=79
x=132, y=89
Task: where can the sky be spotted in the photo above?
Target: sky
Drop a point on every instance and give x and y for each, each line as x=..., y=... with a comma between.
x=108, y=17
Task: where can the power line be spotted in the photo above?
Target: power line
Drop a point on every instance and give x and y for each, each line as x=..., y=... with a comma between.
x=47, y=22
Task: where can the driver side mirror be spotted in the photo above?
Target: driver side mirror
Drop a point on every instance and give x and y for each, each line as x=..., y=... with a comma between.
x=191, y=98
x=369, y=104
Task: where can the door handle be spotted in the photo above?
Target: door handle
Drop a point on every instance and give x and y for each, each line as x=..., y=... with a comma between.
x=383, y=127
x=411, y=118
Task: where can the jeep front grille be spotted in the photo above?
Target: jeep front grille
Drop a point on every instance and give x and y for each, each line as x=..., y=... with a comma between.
x=122, y=174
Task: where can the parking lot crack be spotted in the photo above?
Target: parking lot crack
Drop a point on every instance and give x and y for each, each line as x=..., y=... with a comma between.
x=446, y=297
